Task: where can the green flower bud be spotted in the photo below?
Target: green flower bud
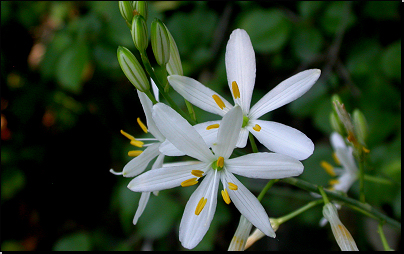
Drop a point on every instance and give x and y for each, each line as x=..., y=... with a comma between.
x=345, y=119
x=174, y=66
x=360, y=125
x=336, y=124
x=335, y=97
x=132, y=69
x=139, y=33
x=141, y=8
x=126, y=9
x=160, y=42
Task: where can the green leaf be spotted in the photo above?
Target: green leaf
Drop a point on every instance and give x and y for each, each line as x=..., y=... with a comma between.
x=269, y=30
x=335, y=16
x=70, y=67
x=12, y=181
x=382, y=10
x=391, y=61
x=362, y=58
x=79, y=241
x=307, y=42
x=309, y=8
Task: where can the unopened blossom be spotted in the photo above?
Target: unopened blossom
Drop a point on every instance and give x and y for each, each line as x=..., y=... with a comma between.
x=214, y=166
x=241, y=68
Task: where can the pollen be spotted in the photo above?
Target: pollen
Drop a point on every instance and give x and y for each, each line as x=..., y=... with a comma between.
x=328, y=168
x=236, y=92
x=257, y=127
x=136, y=143
x=220, y=162
x=213, y=126
x=144, y=128
x=200, y=205
x=189, y=182
x=135, y=153
x=225, y=196
x=232, y=186
x=218, y=101
x=197, y=173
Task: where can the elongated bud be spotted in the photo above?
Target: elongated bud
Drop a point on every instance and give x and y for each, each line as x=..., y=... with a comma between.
x=139, y=33
x=360, y=125
x=140, y=8
x=174, y=66
x=160, y=42
x=345, y=119
x=240, y=236
x=132, y=69
x=336, y=124
x=126, y=9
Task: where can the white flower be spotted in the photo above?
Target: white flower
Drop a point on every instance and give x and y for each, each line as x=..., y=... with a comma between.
x=215, y=167
x=240, y=67
x=341, y=234
x=239, y=239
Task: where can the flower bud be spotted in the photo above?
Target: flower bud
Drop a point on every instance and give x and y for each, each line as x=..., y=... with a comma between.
x=126, y=9
x=174, y=66
x=141, y=8
x=132, y=69
x=345, y=119
x=139, y=33
x=360, y=125
x=240, y=236
x=160, y=42
x=336, y=124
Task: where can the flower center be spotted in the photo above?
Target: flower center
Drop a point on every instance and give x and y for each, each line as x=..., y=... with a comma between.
x=218, y=165
x=245, y=121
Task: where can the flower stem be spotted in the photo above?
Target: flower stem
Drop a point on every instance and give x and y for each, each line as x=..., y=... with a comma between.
x=266, y=188
x=252, y=142
x=383, y=237
x=299, y=211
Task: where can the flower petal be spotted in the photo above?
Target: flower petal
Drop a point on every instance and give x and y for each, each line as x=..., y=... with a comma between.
x=287, y=91
x=198, y=94
x=265, y=166
x=194, y=227
x=229, y=132
x=179, y=132
x=147, y=107
x=242, y=138
x=337, y=141
x=144, y=198
x=247, y=204
x=165, y=177
x=283, y=139
x=240, y=66
x=138, y=165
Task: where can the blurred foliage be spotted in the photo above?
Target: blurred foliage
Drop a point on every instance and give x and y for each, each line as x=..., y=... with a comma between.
x=64, y=100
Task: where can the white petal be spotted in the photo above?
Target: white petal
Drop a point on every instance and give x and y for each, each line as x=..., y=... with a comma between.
x=242, y=138
x=138, y=165
x=346, y=159
x=159, y=162
x=155, y=90
x=194, y=227
x=198, y=94
x=283, y=139
x=345, y=182
x=147, y=107
x=179, y=132
x=248, y=204
x=169, y=149
x=240, y=66
x=164, y=178
x=229, y=131
x=337, y=141
x=144, y=198
x=287, y=91
x=265, y=166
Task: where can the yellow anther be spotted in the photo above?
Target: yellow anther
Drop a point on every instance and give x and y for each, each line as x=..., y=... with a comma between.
x=136, y=143
x=189, y=182
x=144, y=128
x=333, y=182
x=200, y=205
x=128, y=135
x=328, y=168
x=365, y=149
x=220, y=162
x=213, y=126
x=236, y=92
x=135, y=153
x=218, y=101
x=225, y=196
x=257, y=127
x=334, y=156
x=232, y=186
x=197, y=173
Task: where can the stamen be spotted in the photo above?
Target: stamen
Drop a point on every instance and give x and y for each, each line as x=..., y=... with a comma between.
x=128, y=135
x=189, y=182
x=334, y=156
x=365, y=149
x=213, y=126
x=144, y=128
x=197, y=173
x=333, y=182
x=200, y=205
x=135, y=153
x=220, y=162
x=225, y=196
x=136, y=143
x=236, y=92
x=218, y=101
x=328, y=168
x=232, y=186
x=257, y=127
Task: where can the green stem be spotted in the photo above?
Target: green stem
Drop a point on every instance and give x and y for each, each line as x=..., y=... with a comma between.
x=335, y=196
x=361, y=160
x=266, y=188
x=151, y=97
x=252, y=142
x=299, y=211
x=375, y=179
x=383, y=237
